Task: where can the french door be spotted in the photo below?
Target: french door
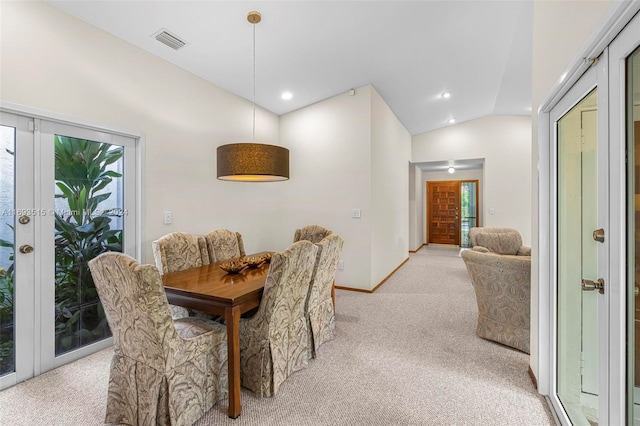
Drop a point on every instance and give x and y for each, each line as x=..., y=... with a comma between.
x=582, y=281
x=67, y=194
x=624, y=56
x=595, y=235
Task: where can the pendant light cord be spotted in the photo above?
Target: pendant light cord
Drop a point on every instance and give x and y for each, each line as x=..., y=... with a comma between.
x=254, y=82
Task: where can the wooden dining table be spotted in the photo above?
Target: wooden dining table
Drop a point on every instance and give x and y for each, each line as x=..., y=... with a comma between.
x=210, y=289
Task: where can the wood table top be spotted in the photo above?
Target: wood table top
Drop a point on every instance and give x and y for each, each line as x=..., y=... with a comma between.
x=209, y=282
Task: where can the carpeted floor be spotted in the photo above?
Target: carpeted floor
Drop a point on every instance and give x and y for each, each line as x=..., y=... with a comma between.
x=404, y=355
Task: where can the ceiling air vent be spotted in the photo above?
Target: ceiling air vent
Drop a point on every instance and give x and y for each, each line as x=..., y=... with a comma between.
x=171, y=40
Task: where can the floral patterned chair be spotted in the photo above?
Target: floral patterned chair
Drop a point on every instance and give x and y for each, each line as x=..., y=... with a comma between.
x=313, y=233
x=163, y=372
x=274, y=343
x=223, y=244
x=178, y=251
x=500, y=270
x=319, y=310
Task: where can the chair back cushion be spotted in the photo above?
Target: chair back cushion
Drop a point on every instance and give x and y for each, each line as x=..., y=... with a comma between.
x=312, y=233
x=223, y=244
x=135, y=305
x=329, y=250
x=279, y=327
x=319, y=307
x=178, y=251
x=497, y=240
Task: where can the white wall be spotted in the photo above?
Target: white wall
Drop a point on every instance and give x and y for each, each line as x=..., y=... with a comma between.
x=504, y=141
x=560, y=28
x=351, y=152
x=391, y=153
x=440, y=176
x=330, y=145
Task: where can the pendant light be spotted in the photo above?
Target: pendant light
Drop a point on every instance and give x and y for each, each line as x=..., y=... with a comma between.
x=251, y=161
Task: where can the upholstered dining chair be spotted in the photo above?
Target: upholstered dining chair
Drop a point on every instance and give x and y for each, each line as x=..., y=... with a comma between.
x=319, y=309
x=162, y=372
x=223, y=244
x=178, y=251
x=313, y=233
x=274, y=342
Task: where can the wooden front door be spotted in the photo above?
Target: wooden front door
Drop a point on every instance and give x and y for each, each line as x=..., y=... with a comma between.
x=444, y=212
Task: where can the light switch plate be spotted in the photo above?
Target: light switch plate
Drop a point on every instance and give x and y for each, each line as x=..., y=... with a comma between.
x=168, y=218
x=355, y=213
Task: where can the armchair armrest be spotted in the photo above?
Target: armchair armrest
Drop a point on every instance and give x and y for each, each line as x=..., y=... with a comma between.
x=524, y=251
x=481, y=249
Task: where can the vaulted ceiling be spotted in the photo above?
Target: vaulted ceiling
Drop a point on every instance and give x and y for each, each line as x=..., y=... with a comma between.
x=410, y=51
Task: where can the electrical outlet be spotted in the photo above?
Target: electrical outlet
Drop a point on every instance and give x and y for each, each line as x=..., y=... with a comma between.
x=355, y=213
x=341, y=265
x=492, y=211
x=168, y=218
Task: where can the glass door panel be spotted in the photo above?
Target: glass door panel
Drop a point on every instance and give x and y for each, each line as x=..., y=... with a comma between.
x=16, y=243
x=577, y=258
x=87, y=179
x=469, y=210
x=88, y=221
x=7, y=244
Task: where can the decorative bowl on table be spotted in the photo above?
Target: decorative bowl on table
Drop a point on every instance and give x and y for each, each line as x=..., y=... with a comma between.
x=254, y=261
x=233, y=266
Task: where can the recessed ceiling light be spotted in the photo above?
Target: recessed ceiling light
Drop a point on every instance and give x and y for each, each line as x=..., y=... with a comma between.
x=287, y=95
x=445, y=95
x=451, y=120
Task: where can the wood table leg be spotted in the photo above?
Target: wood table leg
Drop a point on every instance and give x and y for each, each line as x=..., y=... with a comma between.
x=232, y=318
x=333, y=294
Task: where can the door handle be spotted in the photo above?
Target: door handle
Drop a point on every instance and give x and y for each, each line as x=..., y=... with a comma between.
x=598, y=235
x=588, y=285
x=26, y=249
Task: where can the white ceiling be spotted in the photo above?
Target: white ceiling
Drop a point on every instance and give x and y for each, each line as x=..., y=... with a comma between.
x=410, y=51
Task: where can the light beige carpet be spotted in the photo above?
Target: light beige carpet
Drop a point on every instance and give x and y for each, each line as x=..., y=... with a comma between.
x=405, y=355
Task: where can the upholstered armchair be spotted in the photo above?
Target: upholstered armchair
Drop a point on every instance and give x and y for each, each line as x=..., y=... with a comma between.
x=178, y=251
x=223, y=244
x=274, y=343
x=319, y=309
x=500, y=270
x=163, y=372
x=313, y=233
